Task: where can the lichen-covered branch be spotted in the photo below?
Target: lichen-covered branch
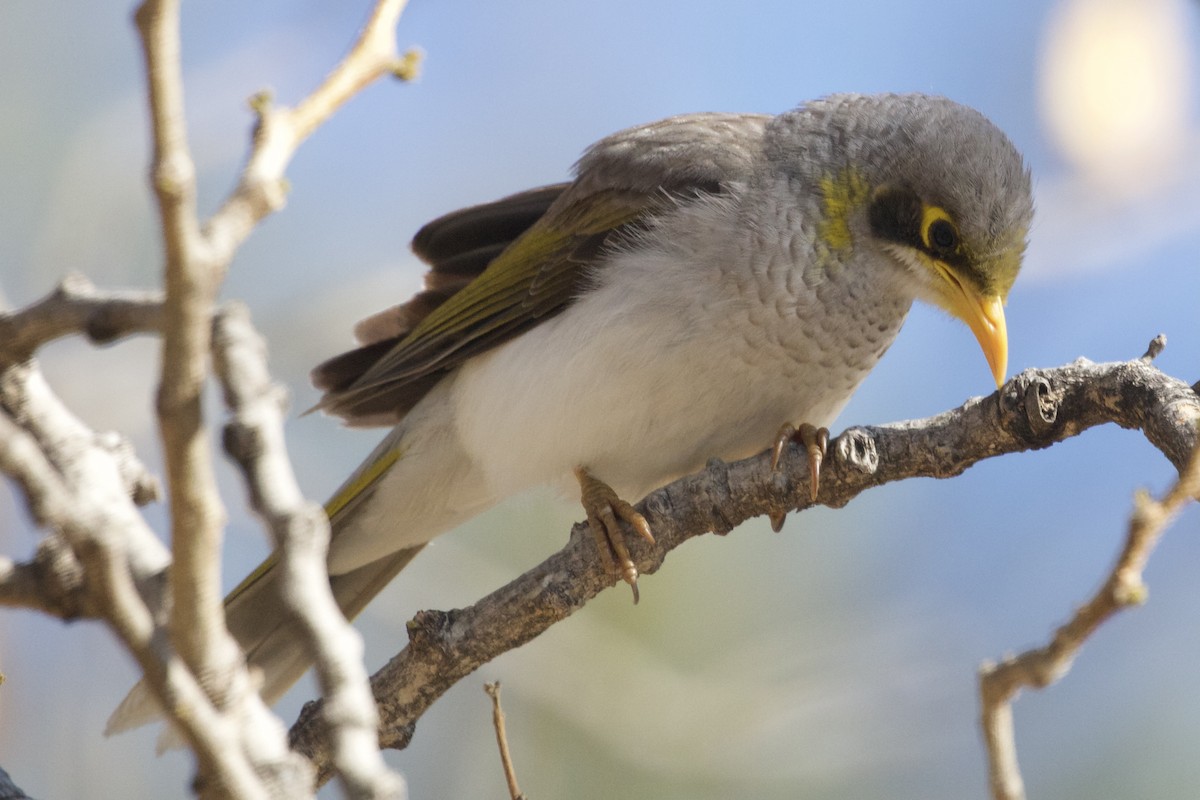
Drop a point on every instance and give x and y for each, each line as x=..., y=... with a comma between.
x=1033, y=410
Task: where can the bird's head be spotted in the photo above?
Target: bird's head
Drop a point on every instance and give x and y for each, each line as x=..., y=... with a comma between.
x=934, y=187
x=954, y=206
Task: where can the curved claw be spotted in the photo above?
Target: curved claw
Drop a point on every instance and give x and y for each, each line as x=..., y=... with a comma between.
x=816, y=444
x=604, y=508
x=786, y=433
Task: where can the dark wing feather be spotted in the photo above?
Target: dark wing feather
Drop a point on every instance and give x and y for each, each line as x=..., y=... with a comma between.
x=501, y=268
x=460, y=232
x=458, y=247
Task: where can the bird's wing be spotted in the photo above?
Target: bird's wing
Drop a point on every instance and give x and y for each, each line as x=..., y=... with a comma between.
x=500, y=269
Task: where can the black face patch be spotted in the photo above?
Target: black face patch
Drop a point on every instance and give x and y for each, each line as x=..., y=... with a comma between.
x=895, y=216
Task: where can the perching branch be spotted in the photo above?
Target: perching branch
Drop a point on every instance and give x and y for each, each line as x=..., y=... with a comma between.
x=1033, y=410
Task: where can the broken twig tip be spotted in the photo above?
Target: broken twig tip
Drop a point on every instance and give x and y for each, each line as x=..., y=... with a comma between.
x=408, y=66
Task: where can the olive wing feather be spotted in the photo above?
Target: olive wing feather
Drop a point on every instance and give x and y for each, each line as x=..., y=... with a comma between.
x=501, y=268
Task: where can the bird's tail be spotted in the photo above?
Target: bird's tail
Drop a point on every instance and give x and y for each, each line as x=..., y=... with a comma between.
x=269, y=635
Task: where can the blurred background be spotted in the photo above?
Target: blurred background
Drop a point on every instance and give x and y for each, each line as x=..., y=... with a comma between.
x=836, y=660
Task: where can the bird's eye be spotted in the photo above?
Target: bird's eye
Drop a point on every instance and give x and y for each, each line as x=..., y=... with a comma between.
x=942, y=236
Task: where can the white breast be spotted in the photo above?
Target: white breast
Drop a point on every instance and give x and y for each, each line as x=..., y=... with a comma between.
x=679, y=354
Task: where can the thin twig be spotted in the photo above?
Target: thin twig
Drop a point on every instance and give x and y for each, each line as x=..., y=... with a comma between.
x=372, y=56
x=261, y=188
x=510, y=774
x=999, y=684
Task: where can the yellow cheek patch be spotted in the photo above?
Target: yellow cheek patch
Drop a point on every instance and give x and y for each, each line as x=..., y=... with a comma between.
x=841, y=195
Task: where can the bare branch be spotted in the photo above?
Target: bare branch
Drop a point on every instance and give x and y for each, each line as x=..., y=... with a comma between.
x=999, y=684
x=52, y=583
x=56, y=460
x=191, y=279
x=76, y=488
x=196, y=261
x=172, y=172
x=22, y=460
x=1033, y=410
x=1155, y=348
x=76, y=306
x=254, y=439
x=84, y=486
x=372, y=55
x=225, y=769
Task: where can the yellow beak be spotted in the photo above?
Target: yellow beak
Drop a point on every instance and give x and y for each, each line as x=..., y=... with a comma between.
x=984, y=315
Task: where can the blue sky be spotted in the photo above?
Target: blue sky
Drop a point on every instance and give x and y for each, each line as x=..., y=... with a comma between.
x=836, y=660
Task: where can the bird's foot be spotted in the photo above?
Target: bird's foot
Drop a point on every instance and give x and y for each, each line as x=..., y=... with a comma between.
x=816, y=444
x=603, y=509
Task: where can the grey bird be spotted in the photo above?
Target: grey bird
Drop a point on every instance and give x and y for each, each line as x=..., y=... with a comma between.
x=704, y=283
